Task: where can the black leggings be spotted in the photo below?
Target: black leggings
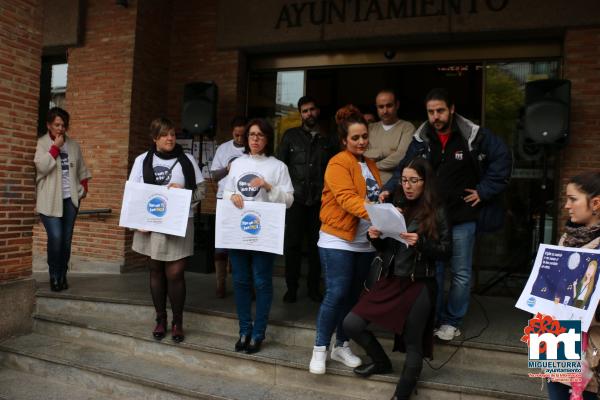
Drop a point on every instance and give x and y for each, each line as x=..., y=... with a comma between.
x=415, y=325
x=167, y=277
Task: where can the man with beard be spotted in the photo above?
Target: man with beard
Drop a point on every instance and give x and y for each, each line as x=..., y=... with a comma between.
x=389, y=138
x=473, y=168
x=306, y=150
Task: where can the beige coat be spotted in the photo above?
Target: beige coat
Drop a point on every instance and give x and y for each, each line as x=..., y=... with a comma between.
x=387, y=148
x=48, y=180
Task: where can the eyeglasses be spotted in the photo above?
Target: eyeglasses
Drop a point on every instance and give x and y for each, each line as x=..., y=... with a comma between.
x=255, y=135
x=411, y=181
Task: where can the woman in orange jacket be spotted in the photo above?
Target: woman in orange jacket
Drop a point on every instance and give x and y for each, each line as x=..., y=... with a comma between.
x=351, y=180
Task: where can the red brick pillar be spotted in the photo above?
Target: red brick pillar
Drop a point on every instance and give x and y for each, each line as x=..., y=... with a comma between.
x=98, y=97
x=20, y=63
x=582, y=67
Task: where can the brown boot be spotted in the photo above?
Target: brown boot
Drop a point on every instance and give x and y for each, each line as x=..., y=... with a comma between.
x=221, y=275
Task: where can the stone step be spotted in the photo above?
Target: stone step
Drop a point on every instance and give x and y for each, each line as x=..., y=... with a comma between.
x=209, y=352
x=469, y=355
x=26, y=386
x=123, y=376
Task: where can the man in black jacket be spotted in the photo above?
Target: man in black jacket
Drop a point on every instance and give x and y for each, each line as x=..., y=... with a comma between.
x=306, y=150
x=473, y=168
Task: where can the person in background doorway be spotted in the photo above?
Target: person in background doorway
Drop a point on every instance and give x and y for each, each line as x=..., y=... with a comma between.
x=389, y=138
x=351, y=181
x=166, y=164
x=305, y=150
x=225, y=154
x=61, y=182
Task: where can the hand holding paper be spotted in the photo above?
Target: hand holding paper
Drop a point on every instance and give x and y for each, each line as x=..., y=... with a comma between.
x=388, y=220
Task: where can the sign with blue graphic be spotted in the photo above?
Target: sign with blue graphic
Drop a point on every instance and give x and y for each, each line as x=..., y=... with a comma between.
x=258, y=226
x=250, y=223
x=563, y=284
x=157, y=206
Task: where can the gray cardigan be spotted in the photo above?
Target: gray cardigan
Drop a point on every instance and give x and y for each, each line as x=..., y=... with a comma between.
x=48, y=180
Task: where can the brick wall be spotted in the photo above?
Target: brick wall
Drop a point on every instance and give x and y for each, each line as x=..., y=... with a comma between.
x=194, y=57
x=582, y=67
x=20, y=63
x=99, y=95
x=150, y=85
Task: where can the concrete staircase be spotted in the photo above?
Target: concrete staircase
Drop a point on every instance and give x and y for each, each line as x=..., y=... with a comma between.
x=94, y=347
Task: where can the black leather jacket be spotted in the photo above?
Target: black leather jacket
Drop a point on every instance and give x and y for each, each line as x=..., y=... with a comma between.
x=421, y=258
x=306, y=157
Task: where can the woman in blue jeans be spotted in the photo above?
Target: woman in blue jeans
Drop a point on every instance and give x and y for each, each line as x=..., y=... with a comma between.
x=61, y=183
x=255, y=176
x=351, y=180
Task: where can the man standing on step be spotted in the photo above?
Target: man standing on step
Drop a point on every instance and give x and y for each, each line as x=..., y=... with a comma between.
x=306, y=150
x=389, y=138
x=225, y=154
x=473, y=168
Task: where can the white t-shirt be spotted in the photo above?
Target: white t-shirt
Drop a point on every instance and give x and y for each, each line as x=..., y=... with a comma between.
x=161, y=171
x=360, y=244
x=247, y=167
x=63, y=156
x=226, y=152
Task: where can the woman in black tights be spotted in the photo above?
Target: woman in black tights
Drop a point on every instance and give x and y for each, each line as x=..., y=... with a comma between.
x=403, y=301
x=166, y=164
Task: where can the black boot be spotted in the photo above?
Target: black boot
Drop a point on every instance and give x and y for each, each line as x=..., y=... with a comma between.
x=407, y=383
x=64, y=285
x=55, y=285
x=380, y=364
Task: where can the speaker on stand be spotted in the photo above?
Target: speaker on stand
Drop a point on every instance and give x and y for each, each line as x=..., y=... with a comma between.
x=546, y=124
x=543, y=127
x=199, y=120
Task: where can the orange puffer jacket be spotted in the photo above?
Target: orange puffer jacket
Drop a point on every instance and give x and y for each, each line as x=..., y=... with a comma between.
x=344, y=191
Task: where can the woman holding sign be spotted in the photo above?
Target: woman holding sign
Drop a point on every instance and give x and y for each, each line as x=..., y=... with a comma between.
x=582, y=230
x=403, y=301
x=351, y=180
x=166, y=164
x=255, y=176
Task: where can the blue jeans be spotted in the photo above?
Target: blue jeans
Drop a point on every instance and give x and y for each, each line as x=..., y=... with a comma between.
x=461, y=265
x=60, y=234
x=345, y=272
x=248, y=268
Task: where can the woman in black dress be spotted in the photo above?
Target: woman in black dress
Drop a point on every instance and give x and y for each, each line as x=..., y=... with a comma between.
x=403, y=301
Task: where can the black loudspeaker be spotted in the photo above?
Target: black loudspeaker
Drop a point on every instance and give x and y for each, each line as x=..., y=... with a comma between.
x=199, y=108
x=546, y=116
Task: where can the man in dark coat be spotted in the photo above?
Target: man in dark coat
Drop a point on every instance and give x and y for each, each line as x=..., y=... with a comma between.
x=306, y=150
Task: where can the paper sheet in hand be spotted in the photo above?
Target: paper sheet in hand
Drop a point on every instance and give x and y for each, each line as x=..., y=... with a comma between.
x=564, y=284
x=155, y=208
x=258, y=226
x=387, y=219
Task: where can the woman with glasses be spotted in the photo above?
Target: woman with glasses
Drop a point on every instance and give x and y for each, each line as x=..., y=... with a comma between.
x=255, y=176
x=351, y=180
x=403, y=300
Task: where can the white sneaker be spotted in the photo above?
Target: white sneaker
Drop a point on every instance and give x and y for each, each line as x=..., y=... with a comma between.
x=318, y=360
x=344, y=355
x=447, y=332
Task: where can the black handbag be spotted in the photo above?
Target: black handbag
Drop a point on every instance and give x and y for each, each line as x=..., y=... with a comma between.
x=377, y=270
